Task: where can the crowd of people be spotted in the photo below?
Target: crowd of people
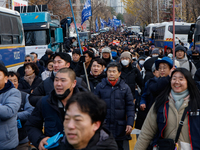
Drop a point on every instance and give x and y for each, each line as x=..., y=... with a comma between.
x=97, y=97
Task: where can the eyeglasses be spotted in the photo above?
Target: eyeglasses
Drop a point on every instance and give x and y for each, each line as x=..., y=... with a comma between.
x=27, y=60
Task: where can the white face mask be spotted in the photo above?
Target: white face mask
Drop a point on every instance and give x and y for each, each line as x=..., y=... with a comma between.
x=134, y=58
x=141, y=62
x=125, y=62
x=155, y=55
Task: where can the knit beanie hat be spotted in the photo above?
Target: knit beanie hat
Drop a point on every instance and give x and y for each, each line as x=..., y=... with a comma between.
x=180, y=47
x=155, y=51
x=127, y=55
x=106, y=50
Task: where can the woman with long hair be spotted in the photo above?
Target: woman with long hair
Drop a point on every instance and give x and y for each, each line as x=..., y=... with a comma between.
x=164, y=116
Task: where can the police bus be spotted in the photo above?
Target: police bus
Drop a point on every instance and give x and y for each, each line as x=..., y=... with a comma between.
x=12, y=44
x=194, y=35
x=164, y=34
x=149, y=32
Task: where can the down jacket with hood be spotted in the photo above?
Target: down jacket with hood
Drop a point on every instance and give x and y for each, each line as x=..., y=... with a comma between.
x=10, y=100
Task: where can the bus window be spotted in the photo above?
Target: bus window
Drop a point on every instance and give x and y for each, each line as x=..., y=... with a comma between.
x=6, y=27
x=10, y=30
x=16, y=30
x=179, y=29
x=6, y=39
x=36, y=37
x=160, y=32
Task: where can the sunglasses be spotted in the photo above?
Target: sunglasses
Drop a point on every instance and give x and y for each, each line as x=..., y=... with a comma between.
x=27, y=60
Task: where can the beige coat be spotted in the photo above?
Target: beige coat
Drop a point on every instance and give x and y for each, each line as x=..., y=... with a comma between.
x=150, y=127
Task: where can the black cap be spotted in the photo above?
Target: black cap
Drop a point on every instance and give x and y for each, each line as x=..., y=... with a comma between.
x=126, y=48
x=113, y=47
x=146, y=47
x=66, y=57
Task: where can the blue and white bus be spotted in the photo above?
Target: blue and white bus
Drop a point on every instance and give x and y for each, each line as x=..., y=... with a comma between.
x=164, y=34
x=149, y=32
x=194, y=35
x=12, y=44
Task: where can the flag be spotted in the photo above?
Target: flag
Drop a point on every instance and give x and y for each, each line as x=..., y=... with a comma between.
x=97, y=26
x=117, y=22
x=109, y=22
x=87, y=11
x=102, y=24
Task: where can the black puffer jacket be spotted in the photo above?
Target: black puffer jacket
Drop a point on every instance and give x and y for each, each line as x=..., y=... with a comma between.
x=120, y=106
x=102, y=140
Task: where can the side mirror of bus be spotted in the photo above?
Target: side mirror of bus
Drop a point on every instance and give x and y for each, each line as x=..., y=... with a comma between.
x=190, y=35
x=59, y=35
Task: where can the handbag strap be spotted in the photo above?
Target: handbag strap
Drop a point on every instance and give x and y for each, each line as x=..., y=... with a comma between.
x=181, y=125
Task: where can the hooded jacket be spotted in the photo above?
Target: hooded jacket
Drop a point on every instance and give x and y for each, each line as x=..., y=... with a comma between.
x=184, y=63
x=102, y=140
x=10, y=100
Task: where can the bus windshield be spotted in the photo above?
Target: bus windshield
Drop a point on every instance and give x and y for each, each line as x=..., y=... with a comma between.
x=36, y=37
x=179, y=29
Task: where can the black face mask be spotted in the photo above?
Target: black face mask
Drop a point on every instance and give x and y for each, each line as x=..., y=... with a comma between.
x=195, y=57
x=146, y=53
x=141, y=53
x=63, y=96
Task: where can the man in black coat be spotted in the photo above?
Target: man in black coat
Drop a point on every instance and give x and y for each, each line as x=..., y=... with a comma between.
x=45, y=58
x=76, y=54
x=96, y=74
x=50, y=110
x=130, y=74
x=68, y=43
x=120, y=107
x=61, y=60
x=86, y=133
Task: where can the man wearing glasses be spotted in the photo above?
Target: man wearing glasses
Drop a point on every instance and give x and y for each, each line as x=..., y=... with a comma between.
x=28, y=59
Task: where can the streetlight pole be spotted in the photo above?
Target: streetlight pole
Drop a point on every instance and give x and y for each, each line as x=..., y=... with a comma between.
x=158, y=12
x=181, y=9
x=151, y=12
